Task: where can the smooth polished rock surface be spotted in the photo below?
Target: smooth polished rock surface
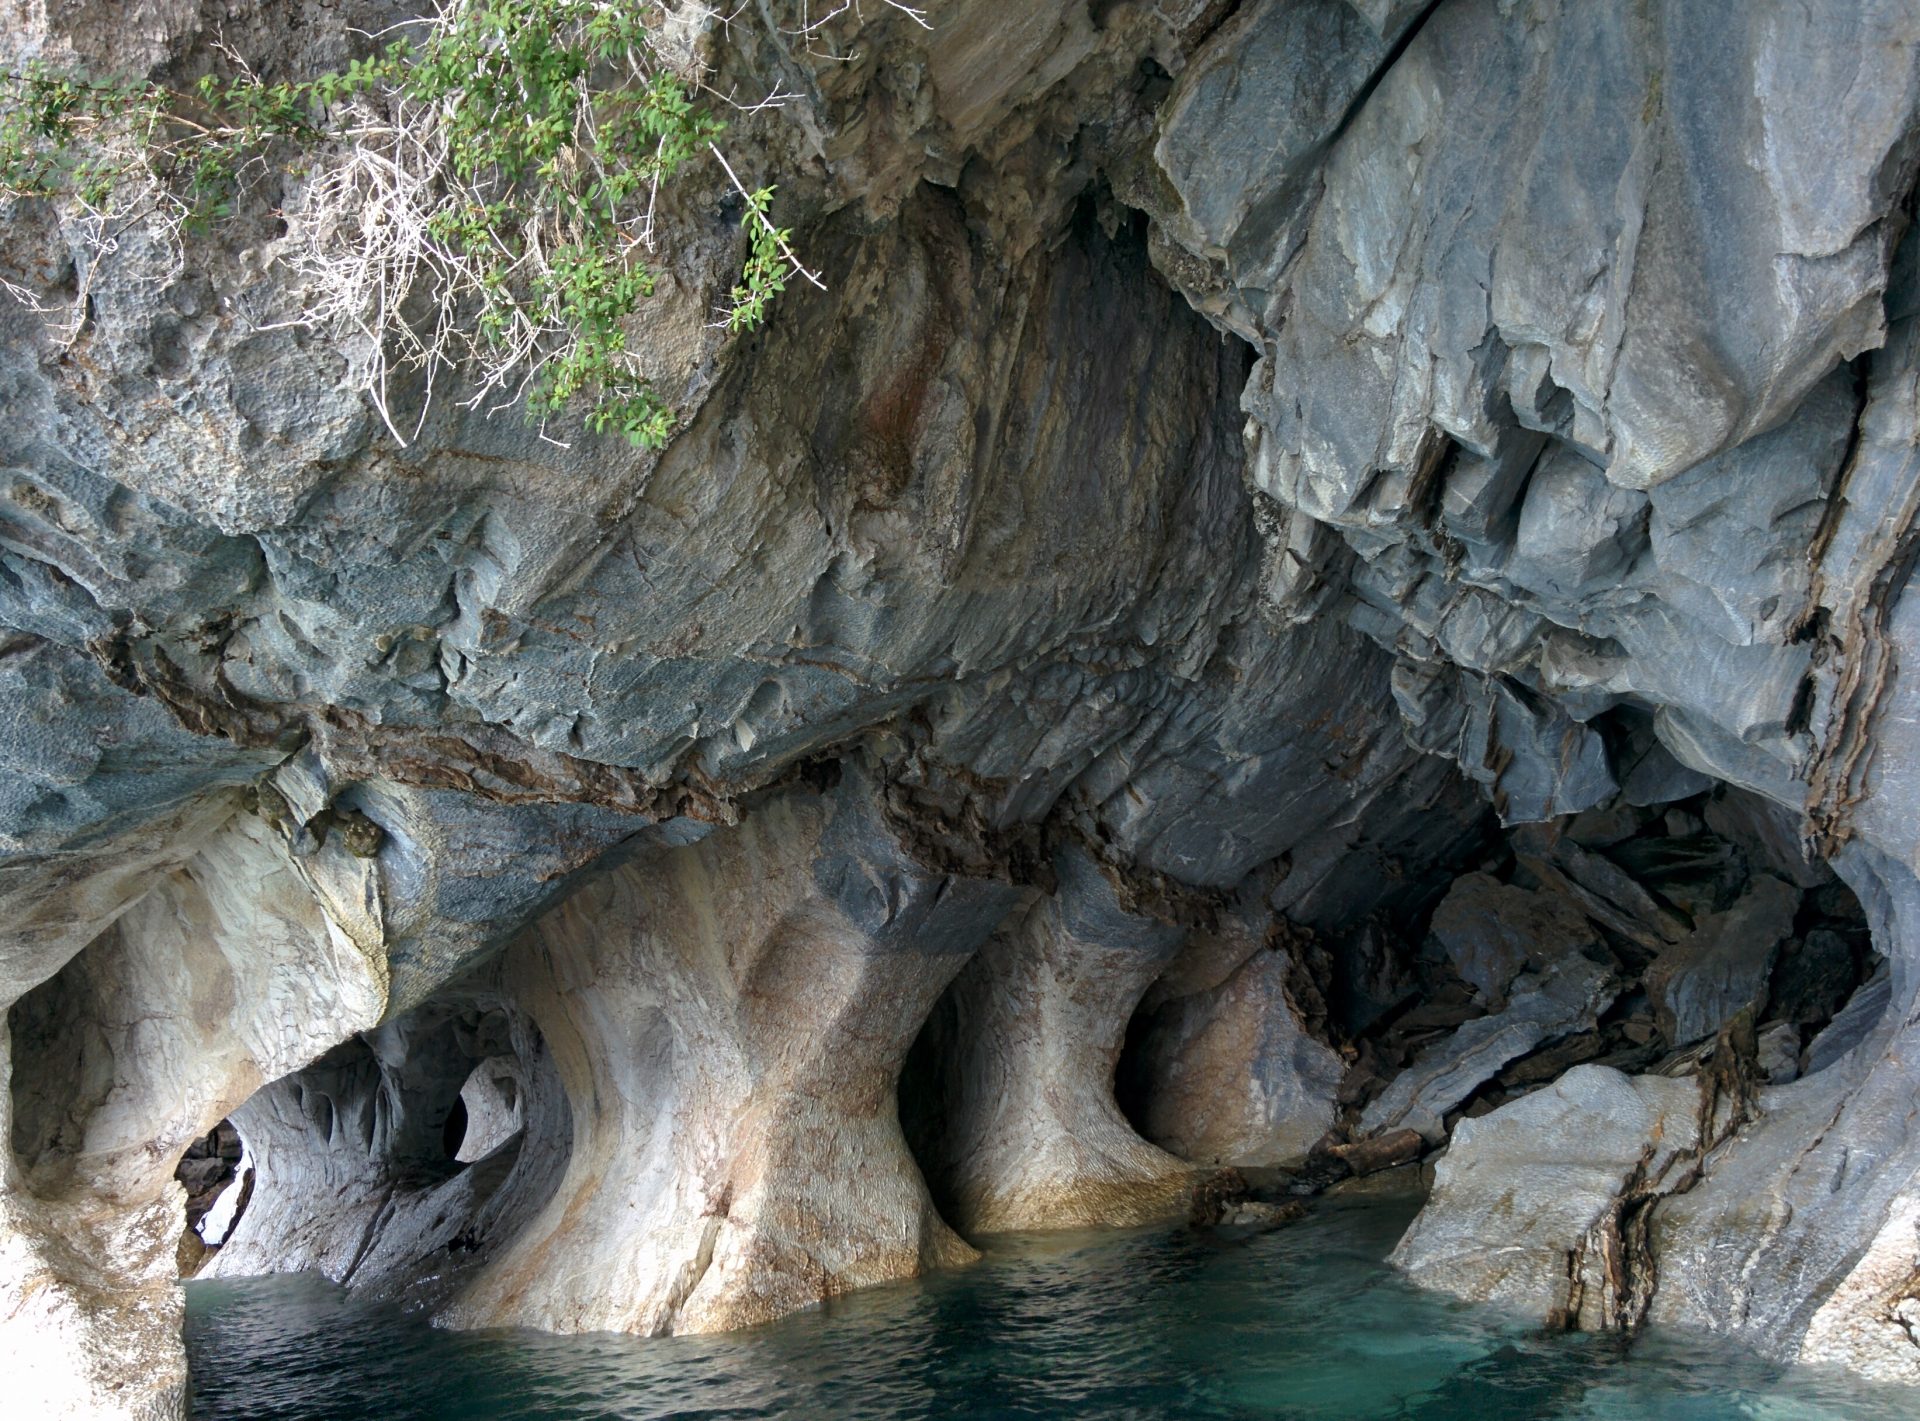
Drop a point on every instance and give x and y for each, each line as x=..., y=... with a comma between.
x=729, y=1020
x=1241, y=457
x=1527, y=1203
x=224, y=976
x=1237, y=1079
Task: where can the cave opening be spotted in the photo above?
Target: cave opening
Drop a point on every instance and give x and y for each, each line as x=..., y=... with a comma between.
x=453, y=1133
x=921, y=1098
x=1333, y=1021
x=1633, y=935
x=216, y=1171
x=407, y=1150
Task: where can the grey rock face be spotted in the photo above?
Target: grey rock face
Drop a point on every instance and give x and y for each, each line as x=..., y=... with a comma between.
x=1237, y=458
x=1242, y=140
x=1453, y=325
x=1720, y=970
x=1858, y=1022
x=1795, y=1191
x=1493, y=931
x=1777, y=1053
x=1565, y=997
x=1404, y=220
x=1527, y=1204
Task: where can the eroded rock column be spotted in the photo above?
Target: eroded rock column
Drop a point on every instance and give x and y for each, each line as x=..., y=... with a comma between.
x=730, y=1018
x=224, y=975
x=1031, y=1137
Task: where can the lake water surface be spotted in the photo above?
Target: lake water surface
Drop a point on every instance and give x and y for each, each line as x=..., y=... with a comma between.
x=1304, y=1323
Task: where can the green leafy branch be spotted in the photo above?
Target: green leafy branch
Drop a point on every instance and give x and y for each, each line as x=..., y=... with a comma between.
x=505, y=160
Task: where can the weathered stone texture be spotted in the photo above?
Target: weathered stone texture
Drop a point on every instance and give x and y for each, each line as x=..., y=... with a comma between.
x=1527, y=1206
x=1244, y=457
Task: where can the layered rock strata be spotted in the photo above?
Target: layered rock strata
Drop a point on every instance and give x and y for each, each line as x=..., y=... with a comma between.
x=1341, y=563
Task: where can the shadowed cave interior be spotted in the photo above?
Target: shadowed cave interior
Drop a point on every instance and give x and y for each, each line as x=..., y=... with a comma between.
x=1691, y=927
x=1317, y=590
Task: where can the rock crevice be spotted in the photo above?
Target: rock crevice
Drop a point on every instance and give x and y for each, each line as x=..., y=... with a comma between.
x=1324, y=583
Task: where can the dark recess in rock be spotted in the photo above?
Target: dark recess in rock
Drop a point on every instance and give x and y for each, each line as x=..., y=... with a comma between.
x=1322, y=588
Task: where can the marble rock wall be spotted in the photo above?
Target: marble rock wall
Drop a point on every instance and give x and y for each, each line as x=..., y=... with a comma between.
x=1325, y=581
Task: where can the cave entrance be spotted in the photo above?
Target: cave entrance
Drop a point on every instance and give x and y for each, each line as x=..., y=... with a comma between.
x=402, y=1152
x=217, y=1173
x=1637, y=936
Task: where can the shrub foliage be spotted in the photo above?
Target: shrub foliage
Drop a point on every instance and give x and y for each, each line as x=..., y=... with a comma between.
x=480, y=192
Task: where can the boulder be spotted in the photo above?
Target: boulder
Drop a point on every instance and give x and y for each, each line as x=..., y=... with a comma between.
x=1528, y=1202
x=1777, y=1053
x=1493, y=931
x=1379, y=1152
x=1606, y=892
x=1812, y=978
x=1722, y=968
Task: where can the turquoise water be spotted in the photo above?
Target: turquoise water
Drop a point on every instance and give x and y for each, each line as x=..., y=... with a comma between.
x=1304, y=1323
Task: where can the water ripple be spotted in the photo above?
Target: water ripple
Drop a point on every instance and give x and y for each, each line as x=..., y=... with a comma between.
x=1305, y=1324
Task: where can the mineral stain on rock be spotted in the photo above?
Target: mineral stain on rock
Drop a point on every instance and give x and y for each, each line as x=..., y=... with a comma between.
x=1322, y=587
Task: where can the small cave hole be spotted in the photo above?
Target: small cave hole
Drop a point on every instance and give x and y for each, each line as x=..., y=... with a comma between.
x=921, y=1096
x=453, y=1133
x=217, y=1173
x=1133, y=1073
x=490, y=1110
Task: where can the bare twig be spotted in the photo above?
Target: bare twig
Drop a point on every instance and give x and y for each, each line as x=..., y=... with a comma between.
x=786, y=251
x=379, y=238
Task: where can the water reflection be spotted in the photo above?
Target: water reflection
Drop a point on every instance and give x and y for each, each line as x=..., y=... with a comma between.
x=1304, y=1324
